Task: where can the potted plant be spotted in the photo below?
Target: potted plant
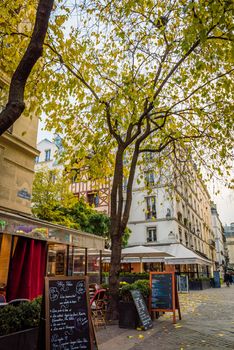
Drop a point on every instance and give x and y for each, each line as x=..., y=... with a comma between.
x=19, y=325
x=128, y=316
x=199, y=284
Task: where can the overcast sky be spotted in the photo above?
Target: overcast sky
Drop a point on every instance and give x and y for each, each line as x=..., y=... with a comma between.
x=224, y=200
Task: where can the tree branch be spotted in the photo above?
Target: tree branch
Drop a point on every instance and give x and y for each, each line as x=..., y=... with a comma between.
x=16, y=105
x=200, y=87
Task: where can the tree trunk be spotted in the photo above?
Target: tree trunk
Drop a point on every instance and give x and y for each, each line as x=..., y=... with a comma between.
x=15, y=105
x=114, y=276
x=119, y=219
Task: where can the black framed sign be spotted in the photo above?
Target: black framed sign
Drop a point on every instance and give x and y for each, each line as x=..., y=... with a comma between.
x=142, y=310
x=67, y=313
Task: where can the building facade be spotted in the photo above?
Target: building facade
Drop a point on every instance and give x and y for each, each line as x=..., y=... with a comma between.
x=96, y=193
x=17, y=159
x=48, y=154
x=176, y=214
x=229, y=234
x=221, y=253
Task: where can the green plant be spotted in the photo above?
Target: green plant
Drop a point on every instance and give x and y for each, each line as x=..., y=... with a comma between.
x=135, y=274
x=142, y=285
x=21, y=317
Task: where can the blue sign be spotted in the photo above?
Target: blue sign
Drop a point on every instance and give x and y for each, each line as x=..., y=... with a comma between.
x=182, y=283
x=24, y=194
x=162, y=291
x=217, y=279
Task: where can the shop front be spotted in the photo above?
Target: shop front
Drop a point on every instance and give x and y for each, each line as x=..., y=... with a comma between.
x=31, y=249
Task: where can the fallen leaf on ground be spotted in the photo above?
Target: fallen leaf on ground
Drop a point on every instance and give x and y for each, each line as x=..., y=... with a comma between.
x=130, y=336
x=140, y=336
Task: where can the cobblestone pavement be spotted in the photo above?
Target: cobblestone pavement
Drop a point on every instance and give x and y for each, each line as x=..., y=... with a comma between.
x=207, y=323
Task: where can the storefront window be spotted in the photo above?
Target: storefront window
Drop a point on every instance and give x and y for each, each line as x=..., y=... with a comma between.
x=57, y=260
x=93, y=265
x=78, y=261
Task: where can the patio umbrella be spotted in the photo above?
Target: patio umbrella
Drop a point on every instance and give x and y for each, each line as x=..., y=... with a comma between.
x=143, y=252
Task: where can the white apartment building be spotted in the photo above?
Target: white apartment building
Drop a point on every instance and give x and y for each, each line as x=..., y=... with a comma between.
x=179, y=216
x=229, y=234
x=221, y=254
x=48, y=154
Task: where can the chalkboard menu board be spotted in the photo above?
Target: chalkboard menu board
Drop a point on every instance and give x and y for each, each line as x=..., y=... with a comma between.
x=142, y=309
x=162, y=291
x=68, y=321
x=164, y=296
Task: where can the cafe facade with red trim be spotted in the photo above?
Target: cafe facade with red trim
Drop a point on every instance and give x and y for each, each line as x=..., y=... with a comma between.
x=31, y=249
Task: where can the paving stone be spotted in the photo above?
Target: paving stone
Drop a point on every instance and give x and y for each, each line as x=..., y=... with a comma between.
x=207, y=323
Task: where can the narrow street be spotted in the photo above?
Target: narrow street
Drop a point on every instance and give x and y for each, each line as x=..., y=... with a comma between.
x=207, y=323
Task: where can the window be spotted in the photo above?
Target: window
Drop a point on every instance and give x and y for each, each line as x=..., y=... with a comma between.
x=149, y=178
x=93, y=199
x=150, y=207
x=151, y=234
x=37, y=159
x=180, y=235
x=47, y=155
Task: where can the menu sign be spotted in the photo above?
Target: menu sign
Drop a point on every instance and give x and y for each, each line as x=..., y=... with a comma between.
x=142, y=309
x=68, y=322
x=164, y=296
x=162, y=291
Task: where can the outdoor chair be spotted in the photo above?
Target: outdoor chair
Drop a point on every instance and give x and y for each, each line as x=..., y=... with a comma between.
x=98, y=308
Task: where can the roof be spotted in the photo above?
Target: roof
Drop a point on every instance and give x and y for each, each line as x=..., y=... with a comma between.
x=44, y=140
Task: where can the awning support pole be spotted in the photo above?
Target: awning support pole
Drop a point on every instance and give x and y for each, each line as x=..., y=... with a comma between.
x=86, y=261
x=100, y=266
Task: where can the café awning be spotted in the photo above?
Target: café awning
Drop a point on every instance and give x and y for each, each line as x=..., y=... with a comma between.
x=182, y=255
x=143, y=254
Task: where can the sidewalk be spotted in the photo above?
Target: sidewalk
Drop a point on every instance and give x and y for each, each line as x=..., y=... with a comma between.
x=207, y=323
